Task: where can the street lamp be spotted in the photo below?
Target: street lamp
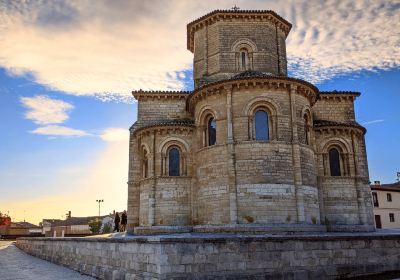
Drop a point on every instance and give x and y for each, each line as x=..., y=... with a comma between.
x=99, y=201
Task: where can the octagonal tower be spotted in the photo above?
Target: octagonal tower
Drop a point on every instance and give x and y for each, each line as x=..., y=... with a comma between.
x=225, y=43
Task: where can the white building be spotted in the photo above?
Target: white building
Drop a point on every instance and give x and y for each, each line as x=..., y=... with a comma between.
x=386, y=199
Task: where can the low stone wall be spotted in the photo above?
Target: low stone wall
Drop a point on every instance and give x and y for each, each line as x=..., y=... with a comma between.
x=205, y=256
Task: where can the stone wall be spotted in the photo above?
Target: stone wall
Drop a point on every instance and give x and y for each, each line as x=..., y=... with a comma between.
x=153, y=109
x=222, y=257
x=337, y=109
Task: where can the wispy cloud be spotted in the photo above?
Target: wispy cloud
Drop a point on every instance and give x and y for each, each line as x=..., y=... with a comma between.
x=372, y=122
x=57, y=130
x=45, y=110
x=115, y=134
x=49, y=113
x=110, y=48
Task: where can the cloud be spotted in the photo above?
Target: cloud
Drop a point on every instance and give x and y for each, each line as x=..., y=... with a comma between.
x=50, y=113
x=373, y=121
x=56, y=130
x=331, y=38
x=110, y=48
x=115, y=134
x=44, y=110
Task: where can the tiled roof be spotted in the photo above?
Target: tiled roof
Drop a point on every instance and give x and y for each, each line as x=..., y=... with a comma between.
x=251, y=73
x=387, y=187
x=73, y=221
x=160, y=92
x=176, y=122
x=323, y=123
x=241, y=12
x=258, y=75
x=341, y=92
x=26, y=225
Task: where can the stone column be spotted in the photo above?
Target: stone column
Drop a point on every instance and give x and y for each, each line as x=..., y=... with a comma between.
x=152, y=195
x=297, y=176
x=133, y=185
x=359, y=184
x=232, y=159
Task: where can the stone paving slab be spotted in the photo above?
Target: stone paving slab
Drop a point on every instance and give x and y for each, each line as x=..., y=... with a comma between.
x=17, y=265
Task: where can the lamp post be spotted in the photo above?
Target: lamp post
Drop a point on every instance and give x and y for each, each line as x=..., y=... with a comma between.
x=99, y=201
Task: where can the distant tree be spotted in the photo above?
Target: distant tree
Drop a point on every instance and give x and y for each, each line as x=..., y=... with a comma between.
x=5, y=220
x=107, y=227
x=95, y=226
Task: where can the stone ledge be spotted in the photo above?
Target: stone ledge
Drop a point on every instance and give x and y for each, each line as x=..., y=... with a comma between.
x=223, y=256
x=223, y=238
x=351, y=228
x=155, y=230
x=285, y=229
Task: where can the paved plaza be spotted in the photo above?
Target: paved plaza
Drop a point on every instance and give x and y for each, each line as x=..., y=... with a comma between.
x=17, y=265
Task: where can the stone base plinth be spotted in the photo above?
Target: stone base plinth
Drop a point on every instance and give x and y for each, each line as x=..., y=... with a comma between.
x=351, y=228
x=260, y=228
x=284, y=229
x=154, y=230
x=224, y=256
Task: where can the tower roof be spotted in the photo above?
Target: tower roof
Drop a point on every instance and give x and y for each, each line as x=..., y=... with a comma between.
x=218, y=15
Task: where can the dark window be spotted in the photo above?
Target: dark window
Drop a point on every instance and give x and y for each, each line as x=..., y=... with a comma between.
x=375, y=199
x=306, y=136
x=261, y=125
x=378, y=221
x=391, y=217
x=212, y=131
x=389, y=197
x=243, y=61
x=173, y=162
x=145, y=164
x=334, y=162
x=145, y=168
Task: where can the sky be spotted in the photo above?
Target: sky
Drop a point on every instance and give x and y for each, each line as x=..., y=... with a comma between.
x=67, y=68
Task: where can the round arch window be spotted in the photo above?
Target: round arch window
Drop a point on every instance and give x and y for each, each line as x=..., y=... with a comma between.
x=261, y=125
x=174, y=162
x=211, y=132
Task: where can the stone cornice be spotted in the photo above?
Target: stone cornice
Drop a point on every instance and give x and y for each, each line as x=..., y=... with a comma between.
x=218, y=15
x=343, y=95
x=322, y=125
x=160, y=94
x=161, y=126
x=271, y=82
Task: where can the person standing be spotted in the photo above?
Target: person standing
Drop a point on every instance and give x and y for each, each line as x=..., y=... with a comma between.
x=124, y=220
x=116, y=222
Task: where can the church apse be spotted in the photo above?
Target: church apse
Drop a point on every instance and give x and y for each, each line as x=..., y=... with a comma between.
x=249, y=149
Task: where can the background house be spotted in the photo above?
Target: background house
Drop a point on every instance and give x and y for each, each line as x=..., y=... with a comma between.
x=19, y=229
x=386, y=200
x=73, y=226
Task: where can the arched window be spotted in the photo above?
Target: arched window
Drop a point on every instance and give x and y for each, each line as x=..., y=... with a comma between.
x=244, y=59
x=174, y=162
x=145, y=164
x=334, y=162
x=211, y=131
x=306, y=130
x=261, y=125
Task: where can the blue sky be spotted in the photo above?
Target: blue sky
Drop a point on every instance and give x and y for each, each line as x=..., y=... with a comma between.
x=67, y=69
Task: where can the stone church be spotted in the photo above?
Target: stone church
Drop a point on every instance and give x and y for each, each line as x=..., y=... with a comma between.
x=249, y=149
